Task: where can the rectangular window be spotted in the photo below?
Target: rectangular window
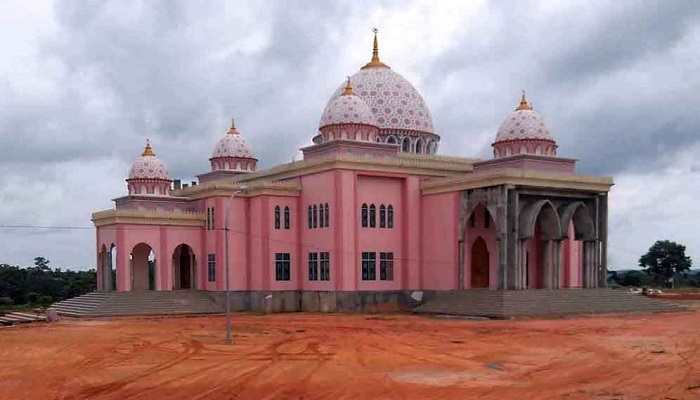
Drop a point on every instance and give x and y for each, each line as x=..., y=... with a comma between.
x=310, y=218
x=369, y=266
x=314, y=217
x=208, y=218
x=487, y=217
x=282, y=266
x=211, y=267
x=325, y=266
x=386, y=266
x=213, y=225
x=313, y=266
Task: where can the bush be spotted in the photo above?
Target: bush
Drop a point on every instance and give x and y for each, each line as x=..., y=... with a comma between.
x=6, y=301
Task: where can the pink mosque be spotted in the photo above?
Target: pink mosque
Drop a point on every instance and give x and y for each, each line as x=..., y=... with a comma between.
x=372, y=214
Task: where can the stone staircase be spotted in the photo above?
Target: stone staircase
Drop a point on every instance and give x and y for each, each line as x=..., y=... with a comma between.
x=15, y=318
x=543, y=302
x=112, y=303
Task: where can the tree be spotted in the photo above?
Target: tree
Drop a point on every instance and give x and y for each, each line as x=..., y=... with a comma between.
x=41, y=263
x=664, y=259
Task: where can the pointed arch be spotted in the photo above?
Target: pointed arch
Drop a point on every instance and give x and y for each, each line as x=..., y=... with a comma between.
x=578, y=214
x=544, y=214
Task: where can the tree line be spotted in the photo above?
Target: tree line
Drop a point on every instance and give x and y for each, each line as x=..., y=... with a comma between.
x=40, y=285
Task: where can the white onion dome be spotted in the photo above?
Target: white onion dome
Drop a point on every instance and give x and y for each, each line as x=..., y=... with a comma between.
x=232, y=145
x=522, y=124
x=395, y=103
x=148, y=166
x=348, y=108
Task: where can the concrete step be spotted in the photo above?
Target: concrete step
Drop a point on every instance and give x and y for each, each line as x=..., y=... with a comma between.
x=139, y=303
x=508, y=303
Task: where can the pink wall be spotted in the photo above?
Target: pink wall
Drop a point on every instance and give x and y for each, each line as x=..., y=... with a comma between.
x=318, y=189
x=440, y=241
x=384, y=190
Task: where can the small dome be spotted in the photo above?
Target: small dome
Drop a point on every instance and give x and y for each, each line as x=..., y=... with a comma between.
x=232, y=145
x=148, y=166
x=348, y=108
x=523, y=123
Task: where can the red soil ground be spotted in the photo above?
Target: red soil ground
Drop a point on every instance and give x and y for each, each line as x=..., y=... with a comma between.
x=313, y=356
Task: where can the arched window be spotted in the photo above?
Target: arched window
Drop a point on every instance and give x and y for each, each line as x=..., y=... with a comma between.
x=419, y=146
x=277, y=217
x=309, y=217
x=390, y=216
x=391, y=140
x=372, y=216
x=327, y=215
x=364, y=215
x=406, y=145
x=321, y=216
x=382, y=216
x=314, y=217
x=286, y=217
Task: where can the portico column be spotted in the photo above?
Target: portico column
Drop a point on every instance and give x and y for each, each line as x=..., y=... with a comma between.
x=546, y=264
x=502, y=238
x=556, y=264
x=521, y=281
x=603, y=237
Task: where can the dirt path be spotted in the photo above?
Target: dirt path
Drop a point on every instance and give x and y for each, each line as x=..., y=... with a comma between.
x=295, y=356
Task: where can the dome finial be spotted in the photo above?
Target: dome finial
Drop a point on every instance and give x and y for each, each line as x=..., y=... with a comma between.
x=524, y=105
x=233, y=127
x=375, y=54
x=348, y=89
x=148, y=151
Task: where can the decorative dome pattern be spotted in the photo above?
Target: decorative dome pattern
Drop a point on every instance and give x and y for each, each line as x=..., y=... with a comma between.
x=395, y=103
x=347, y=109
x=523, y=124
x=232, y=145
x=148, y=167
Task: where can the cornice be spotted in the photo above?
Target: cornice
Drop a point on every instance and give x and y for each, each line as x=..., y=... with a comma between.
x=134, y=217
x=518, y=177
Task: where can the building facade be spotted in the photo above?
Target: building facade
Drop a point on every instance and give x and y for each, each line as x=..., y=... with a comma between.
x=371, y=208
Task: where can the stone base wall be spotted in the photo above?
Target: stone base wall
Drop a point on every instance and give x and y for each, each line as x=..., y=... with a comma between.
x=319, y=301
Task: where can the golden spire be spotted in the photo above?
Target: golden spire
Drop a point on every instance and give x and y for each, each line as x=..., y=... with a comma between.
x=233, y=130
x=524, y=105
x=148, y=151
x=348, y=89
x=375, y=54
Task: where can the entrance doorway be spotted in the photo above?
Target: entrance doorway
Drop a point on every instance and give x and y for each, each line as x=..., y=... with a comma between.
x=184, y=268
x=143, y=268
x=480, y=264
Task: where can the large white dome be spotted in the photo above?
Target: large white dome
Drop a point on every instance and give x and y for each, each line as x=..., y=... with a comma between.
x=148, y=166
x=395, y=103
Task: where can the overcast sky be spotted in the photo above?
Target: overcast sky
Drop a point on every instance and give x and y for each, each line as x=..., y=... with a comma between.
x=84, y=83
